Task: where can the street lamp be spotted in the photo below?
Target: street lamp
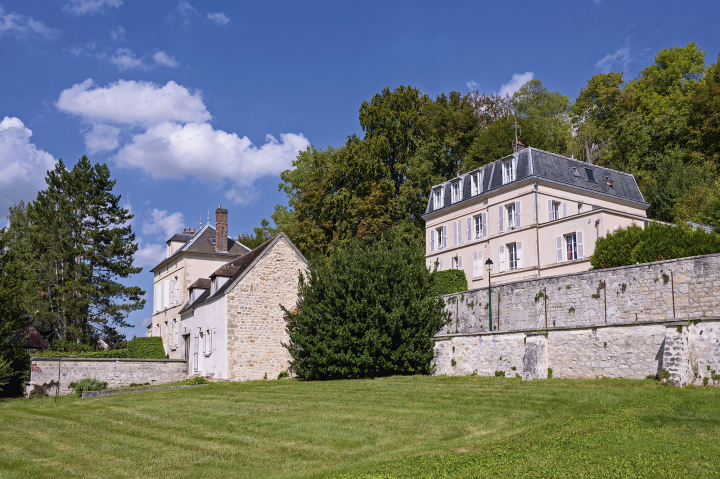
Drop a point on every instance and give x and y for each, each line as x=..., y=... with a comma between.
x=488, y=266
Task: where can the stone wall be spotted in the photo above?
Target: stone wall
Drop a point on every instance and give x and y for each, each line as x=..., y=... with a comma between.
x=688, y=350
x=116, y=372
x=687, y=288
x=256, y=323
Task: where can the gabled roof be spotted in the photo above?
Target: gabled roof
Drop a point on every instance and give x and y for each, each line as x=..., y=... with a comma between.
x=203, y=242
x=34, y=340
x=200, y=283
x=241, y=266
x=533, y=163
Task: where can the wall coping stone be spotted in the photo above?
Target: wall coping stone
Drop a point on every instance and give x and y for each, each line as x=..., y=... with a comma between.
x=108, y=360
x=111, y=392
x=538, y=332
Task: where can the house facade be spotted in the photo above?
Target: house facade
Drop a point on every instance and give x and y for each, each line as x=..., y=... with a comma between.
x=232, y=327
x=532, y=213
x=190, y=255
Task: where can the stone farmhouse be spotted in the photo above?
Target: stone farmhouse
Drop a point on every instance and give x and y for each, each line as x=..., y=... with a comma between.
x=533, y=213
x=217, y=303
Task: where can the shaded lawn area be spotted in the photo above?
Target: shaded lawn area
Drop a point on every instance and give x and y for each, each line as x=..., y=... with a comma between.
x=395, y=427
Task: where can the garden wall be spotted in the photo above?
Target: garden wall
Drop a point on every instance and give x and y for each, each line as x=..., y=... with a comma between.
x=116, y=372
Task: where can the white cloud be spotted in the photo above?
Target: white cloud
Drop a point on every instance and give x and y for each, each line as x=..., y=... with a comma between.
x=473, y=85
x=170, y=150
x=149, y=254
x=517, y=81
x=146, y=322
x=118, y=34
x=22, y=25
x=163, y=223
x=90, y=7
x=102, y=138
x=621, y=58
x=125, y=59
x=185, y=8
x=22, y=165
x=133, y=102
x=597, y=2
x=164, y=59
x=218, y=17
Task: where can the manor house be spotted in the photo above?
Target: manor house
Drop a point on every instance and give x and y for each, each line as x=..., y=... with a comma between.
x=532, y=213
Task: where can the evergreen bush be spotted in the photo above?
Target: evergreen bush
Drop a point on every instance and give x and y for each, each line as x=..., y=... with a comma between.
x=88, y=384
x=146, y=348
x=656, y=242
x=367, y=311
x=448, y=282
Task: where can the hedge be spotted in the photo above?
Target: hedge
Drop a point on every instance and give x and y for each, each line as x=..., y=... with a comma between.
x=146, y=348
x=113, y=353
x=448, y=282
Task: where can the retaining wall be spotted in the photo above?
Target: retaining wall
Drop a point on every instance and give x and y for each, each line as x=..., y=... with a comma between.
x=118, y=372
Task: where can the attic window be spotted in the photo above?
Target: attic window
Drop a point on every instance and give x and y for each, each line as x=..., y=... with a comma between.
x=437, y=198
x=590, y=174
x=576, y=173
x=608, y=181
x=456, y=192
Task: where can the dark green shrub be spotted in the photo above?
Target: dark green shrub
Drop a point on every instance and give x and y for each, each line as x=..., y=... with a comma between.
x=366, y=311
x=550, y=371
x=448, y=282
x=112, y=353
x=198, y=380
x=283, y=375
x=499, y=374
x=146, y=348
x=656, y=242
x=89, y=384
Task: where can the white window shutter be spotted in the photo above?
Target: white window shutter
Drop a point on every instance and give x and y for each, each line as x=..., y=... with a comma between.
x=166, y=295
x=500, y=219
x=454, y=233
x=440, y=266
x=484, y=225
x=517, y=214
x=475, y=264
x=580, y=248
x=444, y=240
x=564, y=210
x=158, y=297
x=177, y=290
x=460, y=263
x=519, y=252
x=459, y=228
x=559, y=249
x=501, y=255
x=469, y=228
x=432, y=240
x=481, y=265
x=550, y=211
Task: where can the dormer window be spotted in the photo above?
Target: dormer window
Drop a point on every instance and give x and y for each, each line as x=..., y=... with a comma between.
x=456, y=192
x=476, y=183
x=608, y=181
x=438, y=198
x=590, y=175
x=508, y=171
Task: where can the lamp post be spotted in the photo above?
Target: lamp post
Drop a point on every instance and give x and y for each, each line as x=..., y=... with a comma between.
x=488, y=266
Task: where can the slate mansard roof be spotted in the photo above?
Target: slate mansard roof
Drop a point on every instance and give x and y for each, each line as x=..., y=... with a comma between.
x=543, y=165
x=203, y=242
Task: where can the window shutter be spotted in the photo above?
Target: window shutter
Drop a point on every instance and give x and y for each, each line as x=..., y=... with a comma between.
x=519, y=252
x=177, y=291
x=459, y=228
x=558, y=249
x=166, y=295
x=440, y=266
x=517, y=214
x=158, y=297
x=195, y=354
x=500, y=219
x=481, y=265
x=460, y=263
x=454, y=233
x=580, y=249
x=432, y=240
x=469, y=228
x=550, y=211
x=484, y=225
x=564, y=210
x=514, y=168
x=444, y=240
x=475, y=264
x=501, y=254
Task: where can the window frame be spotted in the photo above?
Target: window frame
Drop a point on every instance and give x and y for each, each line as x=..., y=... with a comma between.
x=476, y=183
x=511, y=260
x=438, y=198
x=509, y=173
x=477, y=231
x=589, y=172
x=455, y=192
x=510, y=224
x=556, y=210
x=440, y=245
x=570, y=247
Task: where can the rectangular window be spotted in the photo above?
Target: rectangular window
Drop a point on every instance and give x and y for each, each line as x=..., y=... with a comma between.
x=437, y=198
x=456, y=193
x=476, y=183
x=208, y=342
x=441, y=239
x=555, y=210
x=478, y=227
x=590, y=174
x=478, y=265
x=512, y=259
x=571, y=247
x=508, y=171
x=510, y=215
x=457, y=262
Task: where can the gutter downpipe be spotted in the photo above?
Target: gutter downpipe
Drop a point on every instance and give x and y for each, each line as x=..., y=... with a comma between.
x=537, y=229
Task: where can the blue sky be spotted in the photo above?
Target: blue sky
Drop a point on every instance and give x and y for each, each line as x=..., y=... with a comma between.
x=180, y=97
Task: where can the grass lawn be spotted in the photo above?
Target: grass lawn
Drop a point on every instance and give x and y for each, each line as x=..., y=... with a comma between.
x=395, y=427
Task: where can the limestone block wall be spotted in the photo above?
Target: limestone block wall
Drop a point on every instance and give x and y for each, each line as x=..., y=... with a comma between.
x=256, y=323
x=116, y=372
x=687, y=288
x=688, y=350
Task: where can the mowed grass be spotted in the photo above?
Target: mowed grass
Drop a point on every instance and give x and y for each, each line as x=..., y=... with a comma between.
x=395, y=427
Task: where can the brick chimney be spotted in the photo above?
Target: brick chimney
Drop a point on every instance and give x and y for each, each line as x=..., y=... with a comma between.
x=221, y=230
x=518, y=146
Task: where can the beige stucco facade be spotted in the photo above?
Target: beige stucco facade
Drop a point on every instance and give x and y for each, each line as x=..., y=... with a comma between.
x=583, y=216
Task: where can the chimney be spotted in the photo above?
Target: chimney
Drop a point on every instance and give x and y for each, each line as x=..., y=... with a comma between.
x=221, y=230
x=518, y=146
